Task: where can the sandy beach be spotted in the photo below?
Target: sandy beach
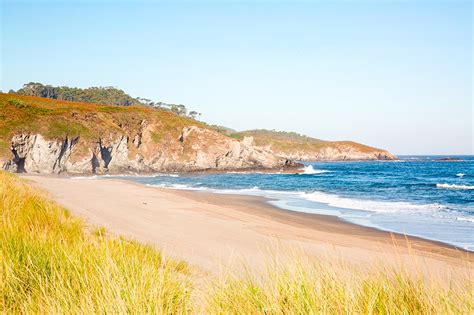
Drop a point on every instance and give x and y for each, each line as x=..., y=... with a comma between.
x=215, y=231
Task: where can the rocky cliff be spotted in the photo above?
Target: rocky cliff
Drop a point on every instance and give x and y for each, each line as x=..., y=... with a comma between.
x=49, y=136
x=297, y=147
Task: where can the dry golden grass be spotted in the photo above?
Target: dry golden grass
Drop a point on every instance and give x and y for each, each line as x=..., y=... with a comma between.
x=51, y=263
x=307, y=286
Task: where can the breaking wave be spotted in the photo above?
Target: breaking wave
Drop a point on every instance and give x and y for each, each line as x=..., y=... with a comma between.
x=329, y=199
x=370, y=205
x=465, y=219
x=454, y=186
x=311, y=170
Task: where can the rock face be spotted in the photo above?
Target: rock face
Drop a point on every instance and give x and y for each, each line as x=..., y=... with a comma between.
x=195, y=149
x=33, y=152
x=338, y=153
x=298, y=147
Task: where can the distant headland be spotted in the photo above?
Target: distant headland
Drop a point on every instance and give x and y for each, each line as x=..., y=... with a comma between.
x=101, y=130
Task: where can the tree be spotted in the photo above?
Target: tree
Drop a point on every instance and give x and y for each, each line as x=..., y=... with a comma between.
x=179, y=109
x=193, y=114
x=102, y=95
x=108, y=95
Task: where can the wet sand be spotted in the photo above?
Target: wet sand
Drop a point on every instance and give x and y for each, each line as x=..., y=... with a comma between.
x=217, y=231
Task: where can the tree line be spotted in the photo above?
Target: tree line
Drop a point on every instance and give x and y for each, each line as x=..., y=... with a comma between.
x=107, y=95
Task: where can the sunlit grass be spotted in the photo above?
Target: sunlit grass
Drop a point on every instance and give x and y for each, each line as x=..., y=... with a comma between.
x=51, y=262
x=309, y=287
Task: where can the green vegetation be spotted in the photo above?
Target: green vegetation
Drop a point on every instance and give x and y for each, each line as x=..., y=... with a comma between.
x=224, y=130
x=100, y=95
x=156, y=137
x=71, y=129
x=277, y=135
x=51, y=262
x=283, y=142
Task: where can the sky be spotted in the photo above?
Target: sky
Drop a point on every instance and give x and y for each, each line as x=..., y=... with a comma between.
x=390, y=74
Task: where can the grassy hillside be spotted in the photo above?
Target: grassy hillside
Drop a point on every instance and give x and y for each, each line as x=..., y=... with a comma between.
x=279, y=139
x=286, y=143
x=50, y=262
x=53, y=136
x=58, y=119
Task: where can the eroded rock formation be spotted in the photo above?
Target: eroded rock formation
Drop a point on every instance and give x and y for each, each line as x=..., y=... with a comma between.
x=195, y=149
x=338, y=152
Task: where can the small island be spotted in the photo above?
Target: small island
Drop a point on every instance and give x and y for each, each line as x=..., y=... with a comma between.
x=449, y=159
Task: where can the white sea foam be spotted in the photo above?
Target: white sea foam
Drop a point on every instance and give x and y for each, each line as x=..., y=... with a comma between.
x=182, y=186
x=329, y=199
x=340, y=202
x=412, y=214
x=370, y=205
x=145, y=175
x=454, y=186
x=176, y=186
x=311, y=170
x=84, y=177
x=465, y=219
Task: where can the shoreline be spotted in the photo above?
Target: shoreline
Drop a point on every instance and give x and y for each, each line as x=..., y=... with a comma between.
x=266, y=201
x=269, y=210
x=213, y=230
x=332, y=223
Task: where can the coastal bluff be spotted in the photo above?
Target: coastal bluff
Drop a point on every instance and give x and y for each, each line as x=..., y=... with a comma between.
x=291, y=145
x=51, y=136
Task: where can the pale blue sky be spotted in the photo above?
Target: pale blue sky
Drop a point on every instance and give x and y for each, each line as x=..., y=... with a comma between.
x=392, y=74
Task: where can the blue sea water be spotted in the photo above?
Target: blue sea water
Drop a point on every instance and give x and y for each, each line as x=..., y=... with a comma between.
x=418, y=195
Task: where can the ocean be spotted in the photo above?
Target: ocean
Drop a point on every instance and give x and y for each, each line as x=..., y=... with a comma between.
x=417, y=195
